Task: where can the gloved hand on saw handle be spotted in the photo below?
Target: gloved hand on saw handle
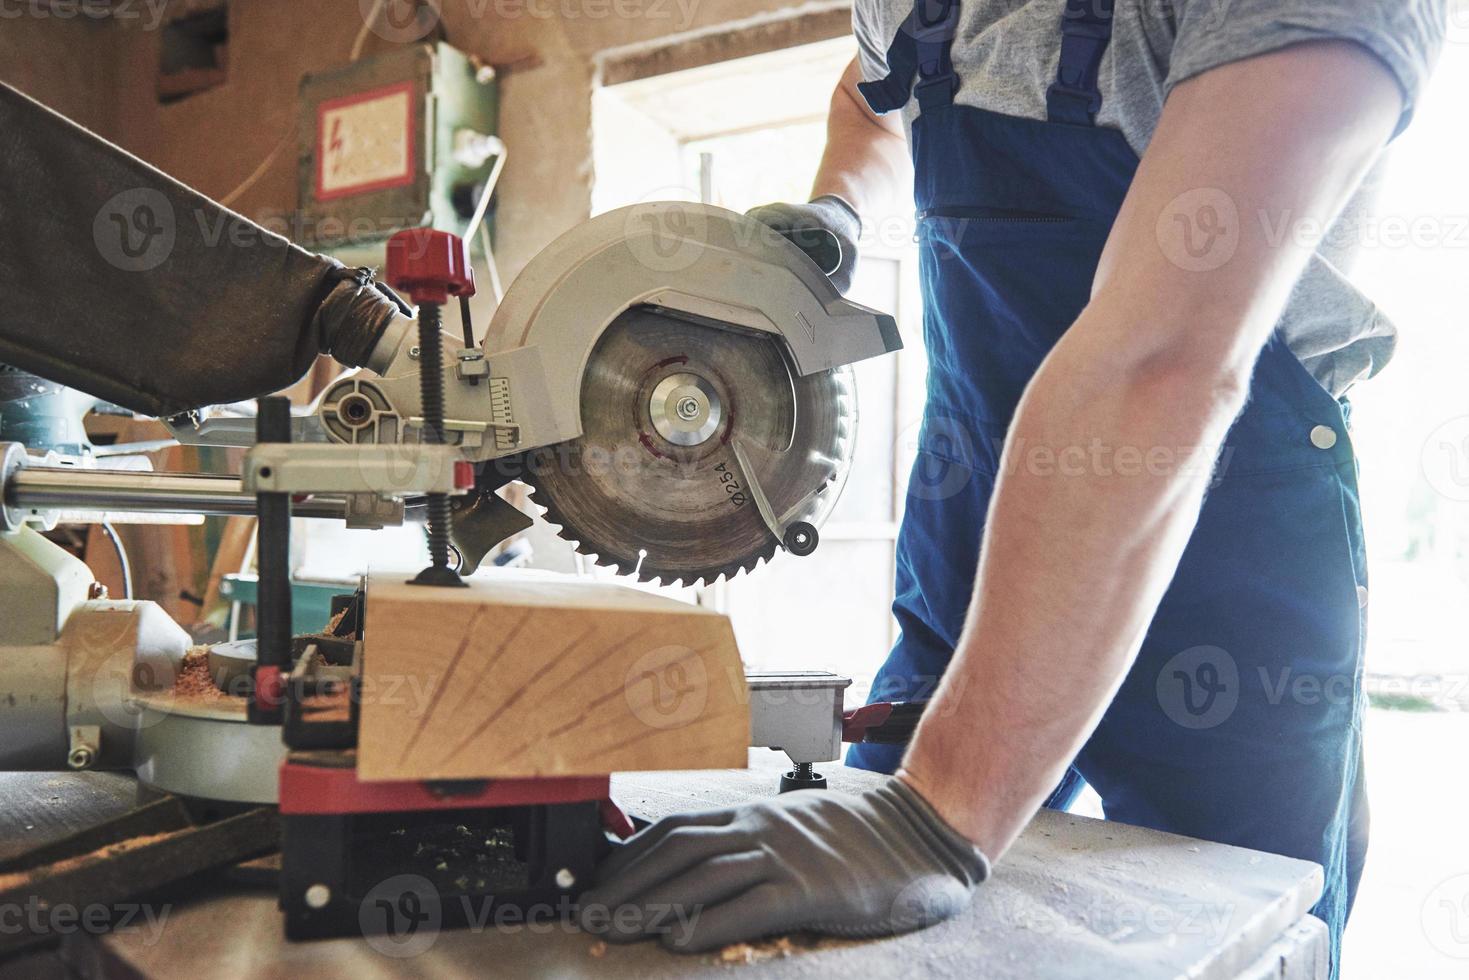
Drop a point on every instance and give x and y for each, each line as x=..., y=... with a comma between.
x=872, y=864
x=826, y=229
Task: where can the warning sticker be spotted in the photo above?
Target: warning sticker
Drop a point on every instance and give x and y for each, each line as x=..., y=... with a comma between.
x=365, y=142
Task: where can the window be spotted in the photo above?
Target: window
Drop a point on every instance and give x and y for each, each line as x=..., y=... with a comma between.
x=193, y=51
x=746, y=132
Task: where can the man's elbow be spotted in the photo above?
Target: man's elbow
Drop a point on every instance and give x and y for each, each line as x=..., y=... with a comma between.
x=1203, y=393
x=1194, y=370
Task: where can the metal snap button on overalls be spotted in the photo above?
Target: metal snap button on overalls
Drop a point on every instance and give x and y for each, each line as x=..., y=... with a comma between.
x=1323, y=437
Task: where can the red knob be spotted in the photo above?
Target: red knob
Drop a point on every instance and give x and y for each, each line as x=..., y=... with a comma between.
x=429, y=265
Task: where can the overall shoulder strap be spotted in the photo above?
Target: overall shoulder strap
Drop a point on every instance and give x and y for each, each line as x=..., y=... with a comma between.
x=921, y=49
x=1086, y=30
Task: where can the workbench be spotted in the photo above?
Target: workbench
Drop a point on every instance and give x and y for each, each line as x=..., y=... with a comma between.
x=1075, y=897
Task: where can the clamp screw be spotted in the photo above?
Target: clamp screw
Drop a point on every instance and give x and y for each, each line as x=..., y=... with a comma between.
x=430, y=266
x=81, y=757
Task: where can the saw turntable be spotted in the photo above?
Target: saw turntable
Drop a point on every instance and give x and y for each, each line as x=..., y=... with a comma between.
x=672, y=380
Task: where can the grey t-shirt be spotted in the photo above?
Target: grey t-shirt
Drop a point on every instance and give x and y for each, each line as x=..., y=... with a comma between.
x=1006, y=53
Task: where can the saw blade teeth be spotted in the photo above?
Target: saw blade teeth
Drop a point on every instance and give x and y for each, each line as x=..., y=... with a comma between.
x=566, y=531
x=661, y=579
x=607, y=517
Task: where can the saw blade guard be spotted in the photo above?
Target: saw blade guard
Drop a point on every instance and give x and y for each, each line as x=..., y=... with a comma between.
x=697, y=263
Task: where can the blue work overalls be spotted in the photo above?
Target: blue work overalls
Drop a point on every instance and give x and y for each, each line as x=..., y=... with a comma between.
x=1241, y=720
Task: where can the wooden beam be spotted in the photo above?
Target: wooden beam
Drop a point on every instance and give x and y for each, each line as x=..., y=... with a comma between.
x=709, y=47
x=536, y=675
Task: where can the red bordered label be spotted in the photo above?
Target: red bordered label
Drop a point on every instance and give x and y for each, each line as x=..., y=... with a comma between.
x=366, y=142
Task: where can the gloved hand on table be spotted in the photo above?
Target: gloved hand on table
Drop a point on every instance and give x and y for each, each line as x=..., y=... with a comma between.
x=826, y=229
x=872, y=864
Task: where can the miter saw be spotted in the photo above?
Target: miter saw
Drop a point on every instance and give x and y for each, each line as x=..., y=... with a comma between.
x=672, y=380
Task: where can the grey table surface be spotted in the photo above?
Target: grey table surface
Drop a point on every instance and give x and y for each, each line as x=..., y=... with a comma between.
x=1075, y=897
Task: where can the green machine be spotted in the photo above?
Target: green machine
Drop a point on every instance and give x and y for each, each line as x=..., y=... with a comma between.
x=401, y=140
x=42, y=414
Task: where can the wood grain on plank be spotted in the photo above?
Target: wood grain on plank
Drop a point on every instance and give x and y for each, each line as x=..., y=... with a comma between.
x=516, y=677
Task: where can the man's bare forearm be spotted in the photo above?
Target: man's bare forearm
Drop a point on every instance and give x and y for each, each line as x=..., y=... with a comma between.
x=866, y=159
x=1076, y=558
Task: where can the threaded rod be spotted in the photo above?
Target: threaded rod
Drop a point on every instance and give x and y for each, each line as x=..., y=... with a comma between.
x=431, y=394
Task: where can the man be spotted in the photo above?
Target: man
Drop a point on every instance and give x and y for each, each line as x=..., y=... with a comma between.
x=1135, y=374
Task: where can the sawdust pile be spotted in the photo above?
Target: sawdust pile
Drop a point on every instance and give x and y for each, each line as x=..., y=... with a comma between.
x=194, y=680
x=336, y=620
x=763, y=951
x=747, y=954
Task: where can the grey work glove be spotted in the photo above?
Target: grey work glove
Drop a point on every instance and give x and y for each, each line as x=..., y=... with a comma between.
x=873, y=864
x=827, y=230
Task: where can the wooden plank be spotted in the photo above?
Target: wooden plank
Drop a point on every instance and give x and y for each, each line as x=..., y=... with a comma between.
x=536, y=676
x=120, y=871
x=696, y=49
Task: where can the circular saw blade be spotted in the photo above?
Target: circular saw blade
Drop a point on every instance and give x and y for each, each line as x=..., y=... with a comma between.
x=666, y=498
